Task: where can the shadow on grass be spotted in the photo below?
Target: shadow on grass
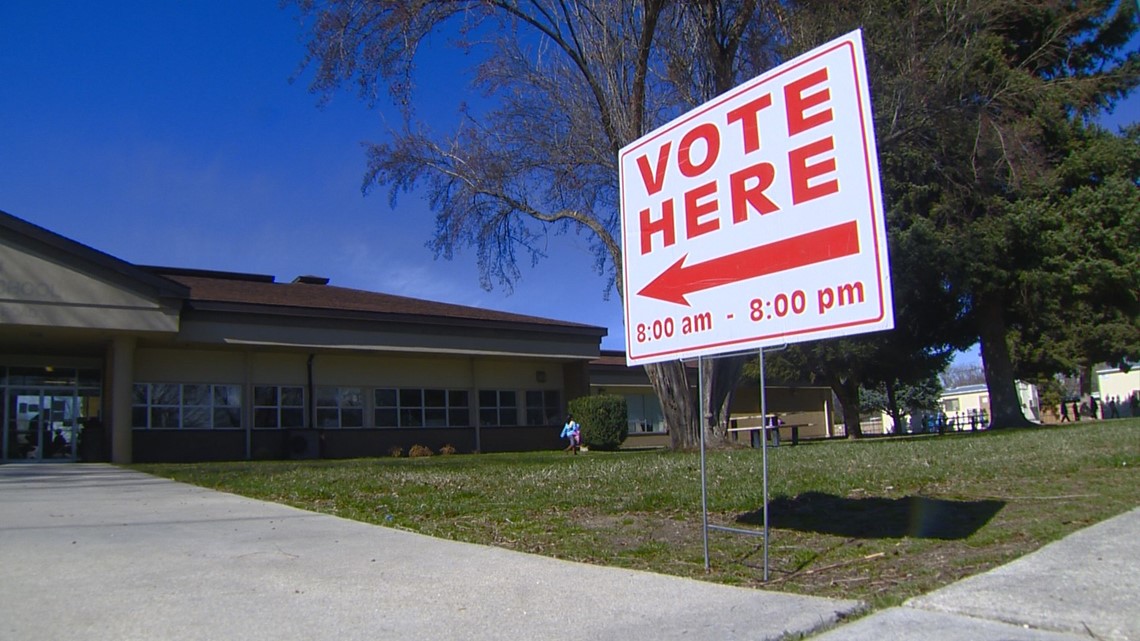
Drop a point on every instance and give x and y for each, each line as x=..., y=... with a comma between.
x=875, y=517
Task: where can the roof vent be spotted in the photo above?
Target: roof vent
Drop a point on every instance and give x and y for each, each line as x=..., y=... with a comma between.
x=311, y=280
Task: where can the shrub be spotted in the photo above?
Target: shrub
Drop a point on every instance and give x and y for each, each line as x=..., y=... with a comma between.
x=395, y=451
x=447, y=450
x=603, y=418
x=419, y=450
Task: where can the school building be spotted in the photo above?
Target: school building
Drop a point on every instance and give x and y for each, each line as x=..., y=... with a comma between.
x=103, y=359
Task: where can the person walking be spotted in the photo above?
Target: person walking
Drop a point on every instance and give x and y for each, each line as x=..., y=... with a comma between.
x=572, y=431
x=1065, y=413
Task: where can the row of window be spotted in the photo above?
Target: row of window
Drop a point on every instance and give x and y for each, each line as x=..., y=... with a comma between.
x=186, y=405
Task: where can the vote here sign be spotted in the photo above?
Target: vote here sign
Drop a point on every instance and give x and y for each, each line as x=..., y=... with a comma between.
x=757, y=219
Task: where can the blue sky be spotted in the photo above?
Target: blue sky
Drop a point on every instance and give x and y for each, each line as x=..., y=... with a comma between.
x=167, y=132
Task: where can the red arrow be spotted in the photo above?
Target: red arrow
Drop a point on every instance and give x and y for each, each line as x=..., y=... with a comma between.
x=678, y=280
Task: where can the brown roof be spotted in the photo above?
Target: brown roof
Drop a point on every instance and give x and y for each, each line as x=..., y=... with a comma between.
x=609, y=357
x=244, y=289
x=616, y=358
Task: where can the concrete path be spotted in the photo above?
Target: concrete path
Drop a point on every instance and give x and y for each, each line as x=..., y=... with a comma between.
x=1085, y=586
x=93, y=552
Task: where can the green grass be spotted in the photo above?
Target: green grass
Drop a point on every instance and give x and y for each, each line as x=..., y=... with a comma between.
x=879, y=520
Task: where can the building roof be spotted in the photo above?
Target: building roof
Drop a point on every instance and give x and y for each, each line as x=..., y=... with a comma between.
x=93, y=258
x=611, y=358
x=207, y=289
x=306, y=296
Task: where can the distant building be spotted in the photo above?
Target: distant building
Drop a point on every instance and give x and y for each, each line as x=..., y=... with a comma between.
x=1119, y=387
x=968, y=407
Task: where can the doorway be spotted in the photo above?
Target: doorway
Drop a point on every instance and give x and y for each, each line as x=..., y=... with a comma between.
x=44, y=416
x=42, y=426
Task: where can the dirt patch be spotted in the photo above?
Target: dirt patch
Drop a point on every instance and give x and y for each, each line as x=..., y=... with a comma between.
x=632, y=530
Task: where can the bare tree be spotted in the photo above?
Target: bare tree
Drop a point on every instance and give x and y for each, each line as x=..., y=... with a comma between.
x=570, y=84
x=962, y=375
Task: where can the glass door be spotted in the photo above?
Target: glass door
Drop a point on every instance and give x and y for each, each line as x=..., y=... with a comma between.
x=41, y=424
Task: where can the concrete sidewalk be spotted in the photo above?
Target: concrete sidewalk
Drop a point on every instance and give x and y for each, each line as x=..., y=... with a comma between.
x=94, y=552
x=1085, y=586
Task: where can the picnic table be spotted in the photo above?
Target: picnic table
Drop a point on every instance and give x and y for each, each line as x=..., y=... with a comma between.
x=771, y=429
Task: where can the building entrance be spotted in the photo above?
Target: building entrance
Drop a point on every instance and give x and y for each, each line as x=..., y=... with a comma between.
x=45, y=411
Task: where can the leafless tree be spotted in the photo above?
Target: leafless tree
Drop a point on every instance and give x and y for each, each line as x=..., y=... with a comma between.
x=962, y=375
x=569, y=83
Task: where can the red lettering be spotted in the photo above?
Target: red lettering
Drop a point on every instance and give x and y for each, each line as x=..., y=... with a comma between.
x=694, y=210
x=711, y=135
x=654, y=182
x=797, y=103
x=764, y=173
x=802, y=172
x=749, y=119
x=665, y=225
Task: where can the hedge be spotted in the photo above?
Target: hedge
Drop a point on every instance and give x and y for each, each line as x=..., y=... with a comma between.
x=604, y=420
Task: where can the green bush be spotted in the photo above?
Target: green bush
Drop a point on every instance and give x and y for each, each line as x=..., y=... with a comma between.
x=604, y=420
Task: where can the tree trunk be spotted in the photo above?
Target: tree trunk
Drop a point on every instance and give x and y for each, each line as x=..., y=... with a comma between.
x=670, y=381
x=847, y=391
x=893, y=407
x=721, y=377
x=679, y=402
x=1005, y=406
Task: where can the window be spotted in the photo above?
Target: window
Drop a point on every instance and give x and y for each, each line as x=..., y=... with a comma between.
x=543, y=407
x=226, y=405
x=458, y=408
x=340, y=407
x=186, y=406
x=498, y=408
x=276, y=406
x=644, y=413
x=387, y=410
x=413, y=407
x=950, y=405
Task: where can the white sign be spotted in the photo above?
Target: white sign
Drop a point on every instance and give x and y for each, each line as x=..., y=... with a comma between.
x=756, y=219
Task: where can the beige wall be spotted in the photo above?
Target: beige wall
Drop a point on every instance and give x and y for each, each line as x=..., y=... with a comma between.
x=1113, y=383
x=520, y=374
x=389, y=371
x=976, y=401
x=160, y=365
x=809, y=408
x=188, y=366
x=278, y=368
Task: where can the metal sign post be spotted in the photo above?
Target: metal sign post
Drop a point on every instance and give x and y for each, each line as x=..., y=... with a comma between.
x=764, y=450
x=706, y=526
x=704, y=471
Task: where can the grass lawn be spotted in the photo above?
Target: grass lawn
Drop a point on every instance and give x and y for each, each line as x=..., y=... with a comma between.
x=879, y=520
